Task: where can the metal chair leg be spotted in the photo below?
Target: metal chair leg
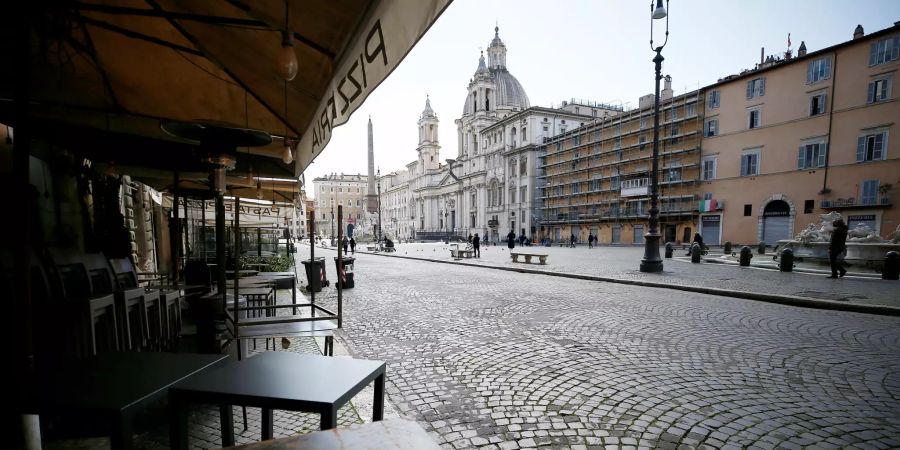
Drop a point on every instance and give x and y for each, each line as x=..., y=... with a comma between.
x=244, y=411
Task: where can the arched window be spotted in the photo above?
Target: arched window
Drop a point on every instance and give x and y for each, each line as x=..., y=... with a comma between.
x=431, y=133
x=512, y=137
x=474, y=101
x=487, y=99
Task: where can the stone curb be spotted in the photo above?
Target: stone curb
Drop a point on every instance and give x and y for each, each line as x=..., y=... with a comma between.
x=791, y=300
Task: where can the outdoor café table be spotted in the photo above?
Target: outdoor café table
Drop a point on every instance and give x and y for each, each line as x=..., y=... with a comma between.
x=392, y=434
x=276, y=380
x=277, y=277
x=113, y=386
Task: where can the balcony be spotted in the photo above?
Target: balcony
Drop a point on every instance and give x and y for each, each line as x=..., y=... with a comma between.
x=851, y=202
x=635, y=188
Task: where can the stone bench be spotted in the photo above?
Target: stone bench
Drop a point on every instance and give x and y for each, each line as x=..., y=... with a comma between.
x=459, y=254
x=371, y=248
x=541, y=256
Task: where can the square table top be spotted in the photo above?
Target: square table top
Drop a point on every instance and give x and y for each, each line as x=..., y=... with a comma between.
x=118, y=381
x=293, y=377
x=396, y=434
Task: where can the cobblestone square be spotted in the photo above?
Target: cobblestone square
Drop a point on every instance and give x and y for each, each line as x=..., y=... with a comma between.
x=495, y=359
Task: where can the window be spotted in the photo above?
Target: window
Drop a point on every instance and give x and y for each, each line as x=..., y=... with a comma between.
x=472, y=200
x=617, y=144
x=712, y=101
x=674, y=112
x=523, y=166
x=817, y=104
x=756, y=87
x=748, y=210
x=709, y=169
x=546, y=130
x=562, y=129
x=576, y=188
x=711, y=127
x=818, y=70
x=643, y=141
x=597, y=135
x=522, y=191
x=595, y=184
x=879, y=90
x=885, y=50
x=871, y=147
x=690, y=110
x=512, y=195
x=614, y=182
x=808, y=206
x=576, y=140
x=673, y=174
x=643, y=122
x=812, y=155
x=674, y=133
x=868, y=192
x=753, y=119
x=750, y=163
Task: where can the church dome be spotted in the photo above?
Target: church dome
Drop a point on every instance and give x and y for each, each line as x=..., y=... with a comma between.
x=508, y=93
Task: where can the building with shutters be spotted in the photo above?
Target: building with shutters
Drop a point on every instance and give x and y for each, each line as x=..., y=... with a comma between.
x=800, y=136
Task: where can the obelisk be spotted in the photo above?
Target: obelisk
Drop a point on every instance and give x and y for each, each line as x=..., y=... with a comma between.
x=371, y=196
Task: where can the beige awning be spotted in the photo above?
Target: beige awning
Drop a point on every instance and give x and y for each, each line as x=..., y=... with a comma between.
x=105, y=73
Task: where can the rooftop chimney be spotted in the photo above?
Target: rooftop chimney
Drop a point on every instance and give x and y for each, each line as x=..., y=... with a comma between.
x=858, y=32
x=762, y=55
x=802, y=50
x=667, y=89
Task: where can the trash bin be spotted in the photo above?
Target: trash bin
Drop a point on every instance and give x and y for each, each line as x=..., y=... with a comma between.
x=316, y=277
x=345, y=280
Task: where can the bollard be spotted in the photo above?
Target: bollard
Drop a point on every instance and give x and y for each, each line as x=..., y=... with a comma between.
x=761, y=248
x=695, y=253
x=669, y=249
x=746, y=255
x=727, y=249
x=891, y=269
x=786, y=264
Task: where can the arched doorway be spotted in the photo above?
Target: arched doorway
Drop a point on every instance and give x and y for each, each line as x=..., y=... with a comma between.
x=350, y=228
x=776, y=222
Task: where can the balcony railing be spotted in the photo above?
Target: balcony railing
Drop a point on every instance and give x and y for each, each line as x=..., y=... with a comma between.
x=851, y=202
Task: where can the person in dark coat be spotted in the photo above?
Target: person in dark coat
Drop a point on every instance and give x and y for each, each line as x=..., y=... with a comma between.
x=511, y=240
x=346, y=244
x=697, y=240
x=837, y=247
x=590, y=241
x=572, y=241
x=476, y=245
x=352, y=245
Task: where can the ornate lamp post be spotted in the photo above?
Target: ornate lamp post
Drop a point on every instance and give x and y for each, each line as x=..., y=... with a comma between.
x=651, y=261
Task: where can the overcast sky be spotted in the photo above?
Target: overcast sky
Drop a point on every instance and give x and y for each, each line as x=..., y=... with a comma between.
x=589, y=49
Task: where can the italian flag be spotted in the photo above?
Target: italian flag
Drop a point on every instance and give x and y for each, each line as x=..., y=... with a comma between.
x=707, y=205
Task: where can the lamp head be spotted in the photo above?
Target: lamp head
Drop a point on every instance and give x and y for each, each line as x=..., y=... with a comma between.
x=660, y=11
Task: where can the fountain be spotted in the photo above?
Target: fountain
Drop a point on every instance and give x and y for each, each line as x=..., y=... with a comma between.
x=863, y=245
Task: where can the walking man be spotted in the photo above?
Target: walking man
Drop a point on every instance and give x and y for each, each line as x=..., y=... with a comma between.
x=476, y=245
x=572, y=241
x=511, y=240
x=352, y=245
x=837, y=248
x=590, y=241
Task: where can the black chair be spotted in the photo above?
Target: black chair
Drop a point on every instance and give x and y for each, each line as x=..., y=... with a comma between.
x=72, y=290
x=166, y=332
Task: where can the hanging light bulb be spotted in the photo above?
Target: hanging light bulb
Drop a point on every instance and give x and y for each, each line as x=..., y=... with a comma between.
x=287, y=58
x=259, y=192
x=287, y=156
x=249, y=176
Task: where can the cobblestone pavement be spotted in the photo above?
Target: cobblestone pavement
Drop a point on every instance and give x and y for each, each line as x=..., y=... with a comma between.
x=623, y=262
x=496, y=359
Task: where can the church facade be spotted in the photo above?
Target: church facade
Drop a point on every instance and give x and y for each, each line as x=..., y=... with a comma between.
x=491, y=185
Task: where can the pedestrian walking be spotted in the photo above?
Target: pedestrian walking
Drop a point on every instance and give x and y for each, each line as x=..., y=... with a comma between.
x=590, y=241
x=352, y=245
x=837, y=248
x=476, y=245
x=511, y=240
x=572, y=241
x=470, y=238
x=346, y=244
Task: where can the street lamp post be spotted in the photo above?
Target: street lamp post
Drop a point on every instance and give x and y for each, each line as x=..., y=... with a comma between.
x=651, y=261
x=380, y=234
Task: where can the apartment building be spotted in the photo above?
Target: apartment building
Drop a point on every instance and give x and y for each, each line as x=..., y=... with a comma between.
x=332, y=190
x=595, y=179
x=800, y=136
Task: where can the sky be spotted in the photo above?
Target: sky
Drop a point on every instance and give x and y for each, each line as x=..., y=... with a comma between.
x=594, y=50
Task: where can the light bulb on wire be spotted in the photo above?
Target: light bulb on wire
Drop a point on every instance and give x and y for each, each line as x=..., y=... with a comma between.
x=287, y=58
x=287, y=156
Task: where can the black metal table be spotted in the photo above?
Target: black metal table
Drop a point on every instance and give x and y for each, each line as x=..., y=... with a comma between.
x=276, y=380
x=113, y=386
